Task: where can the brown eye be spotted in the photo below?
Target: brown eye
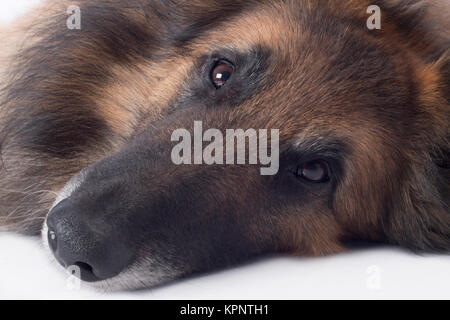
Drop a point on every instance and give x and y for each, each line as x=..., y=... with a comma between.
x=314, y=171
x=221, y=72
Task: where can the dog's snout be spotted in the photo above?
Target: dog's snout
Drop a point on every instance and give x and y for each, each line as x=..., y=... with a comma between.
x=90, y=253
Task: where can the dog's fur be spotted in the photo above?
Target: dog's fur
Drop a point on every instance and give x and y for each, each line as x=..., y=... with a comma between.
x=374, y=103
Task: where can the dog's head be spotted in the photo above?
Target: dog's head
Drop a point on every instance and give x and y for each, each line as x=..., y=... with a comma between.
x=363, y=126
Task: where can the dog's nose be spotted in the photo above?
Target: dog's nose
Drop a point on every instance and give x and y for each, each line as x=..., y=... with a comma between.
x=76, y=241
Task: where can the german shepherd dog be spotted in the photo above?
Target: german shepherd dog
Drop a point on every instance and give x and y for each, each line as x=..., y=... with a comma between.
x=87, y=115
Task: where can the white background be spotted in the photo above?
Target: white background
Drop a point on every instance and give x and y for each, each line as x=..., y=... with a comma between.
x=375, y=273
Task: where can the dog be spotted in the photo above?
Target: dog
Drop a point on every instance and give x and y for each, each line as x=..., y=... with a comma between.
x=87, y=117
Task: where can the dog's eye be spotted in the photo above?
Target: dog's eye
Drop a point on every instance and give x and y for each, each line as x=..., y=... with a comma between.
x=221, y=73
x=314, y=171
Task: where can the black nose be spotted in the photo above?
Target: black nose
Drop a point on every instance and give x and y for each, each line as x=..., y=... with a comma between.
x=79, y=238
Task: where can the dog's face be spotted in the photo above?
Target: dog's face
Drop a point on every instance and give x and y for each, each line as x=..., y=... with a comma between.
x=359, y=158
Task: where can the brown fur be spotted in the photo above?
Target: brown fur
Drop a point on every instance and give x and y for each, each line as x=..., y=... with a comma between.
x=384, y=92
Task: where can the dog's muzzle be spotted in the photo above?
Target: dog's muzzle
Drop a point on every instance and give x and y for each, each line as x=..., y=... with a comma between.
x=76, y=241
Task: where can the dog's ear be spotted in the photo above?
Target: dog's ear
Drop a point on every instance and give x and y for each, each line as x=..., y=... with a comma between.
x=421, y=23
x=421, y=218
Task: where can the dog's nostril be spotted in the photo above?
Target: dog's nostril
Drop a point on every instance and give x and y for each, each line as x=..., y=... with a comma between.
x=52, y=240
x=86, y=272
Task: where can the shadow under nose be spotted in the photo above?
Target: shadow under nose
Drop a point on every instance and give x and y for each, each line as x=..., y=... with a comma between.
x=94, y=250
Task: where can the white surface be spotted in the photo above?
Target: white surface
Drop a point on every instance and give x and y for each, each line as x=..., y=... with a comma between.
x=383, y=273
x=26, y=270
x=10, y=9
